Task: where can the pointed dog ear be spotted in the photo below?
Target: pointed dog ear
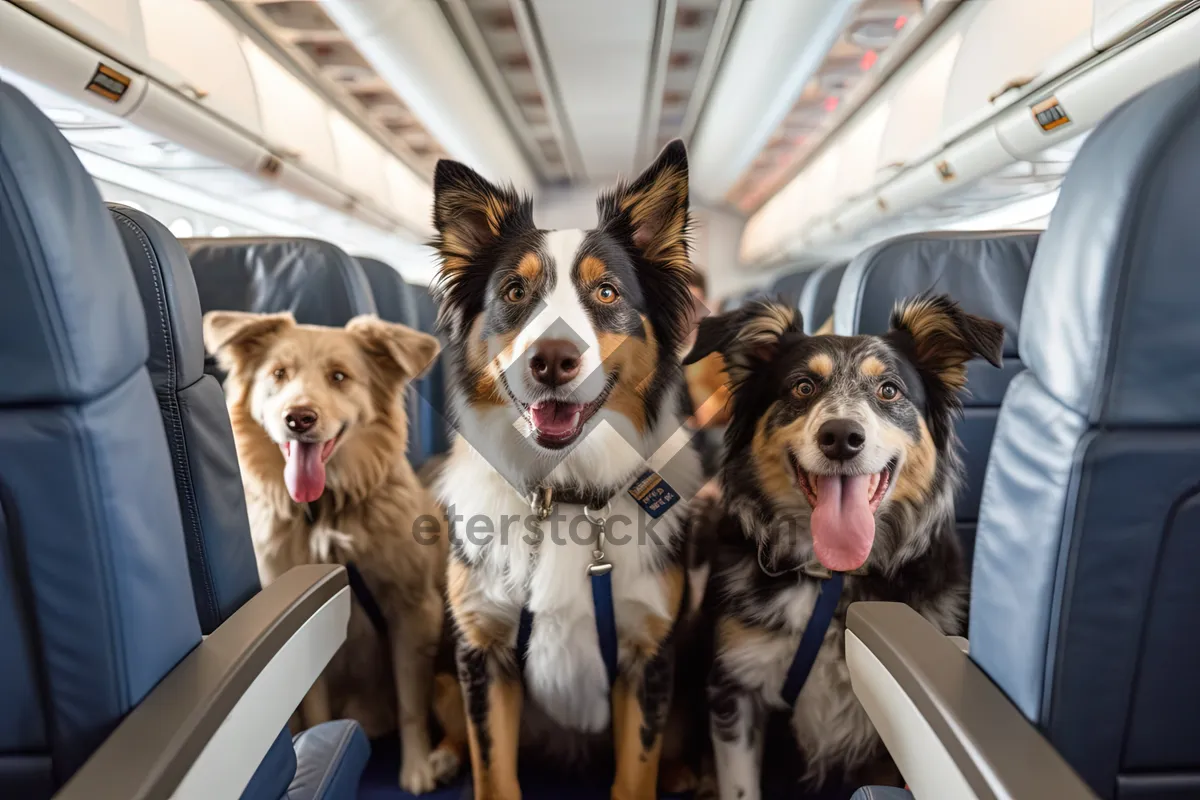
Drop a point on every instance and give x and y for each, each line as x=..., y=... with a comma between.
x=940, y=338
x=945, y=338
x=403, y=353
x=469, y=212
x=239, y=338
x=747, y=337
x=650, y=215
x=470, y=215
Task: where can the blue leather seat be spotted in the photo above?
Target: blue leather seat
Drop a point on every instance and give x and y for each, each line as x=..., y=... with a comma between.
x=211, y=500
x=396, y=302
x=987, y=273
x=1085, y=590
x=315, y=280
x=787, y=287
x=96, y=602
x=436, y=428
x=818, y=294
x=199, y=435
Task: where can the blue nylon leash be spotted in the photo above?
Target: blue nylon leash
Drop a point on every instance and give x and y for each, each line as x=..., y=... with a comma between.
x=606, y=626
x=812, y=638
x=600, y=574
x=606, y=622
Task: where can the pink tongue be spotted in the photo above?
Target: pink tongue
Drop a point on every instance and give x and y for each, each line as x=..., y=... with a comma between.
x=556, y=419
x=305, y=471
x=843, y=527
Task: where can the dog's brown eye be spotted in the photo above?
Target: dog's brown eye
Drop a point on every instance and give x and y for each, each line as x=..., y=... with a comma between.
x=888, y=391
x=280, y=373
x=607, y=293
x=515, y=293
x=804, y=388
x=337, y=376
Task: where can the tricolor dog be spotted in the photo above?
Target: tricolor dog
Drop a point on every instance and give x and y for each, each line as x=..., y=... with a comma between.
x=570, y=471
x=840, y=473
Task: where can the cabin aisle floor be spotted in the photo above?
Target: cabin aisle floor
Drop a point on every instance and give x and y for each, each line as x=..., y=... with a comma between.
x=379, y=783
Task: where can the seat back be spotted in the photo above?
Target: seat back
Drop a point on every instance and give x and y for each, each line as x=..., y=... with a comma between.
x=207, y=479
x=395, y=302
x=315, y=280
x=986, y=273
x=787, y=287
x=1085, y=592
x=436, y=428
x=95, y=600
x=818, y=294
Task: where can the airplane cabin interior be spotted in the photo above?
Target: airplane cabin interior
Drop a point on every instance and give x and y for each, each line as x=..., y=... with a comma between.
x=284, y=281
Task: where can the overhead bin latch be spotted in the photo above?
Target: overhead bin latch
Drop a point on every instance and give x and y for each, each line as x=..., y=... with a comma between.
x=1012, y=85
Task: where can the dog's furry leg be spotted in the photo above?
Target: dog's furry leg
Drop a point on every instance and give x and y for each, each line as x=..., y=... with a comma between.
x=315, y=707
x=414, y=647
x=493, y=696
x=641, y=697
x=447, y=758
x=491, y=685
x=736, y=720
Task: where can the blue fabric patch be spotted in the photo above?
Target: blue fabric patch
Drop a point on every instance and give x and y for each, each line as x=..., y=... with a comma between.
x=653, y=493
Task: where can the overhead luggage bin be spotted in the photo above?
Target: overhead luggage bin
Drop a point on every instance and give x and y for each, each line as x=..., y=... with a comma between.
x=1009, y=45
x=1063, y=111
x=194, y=40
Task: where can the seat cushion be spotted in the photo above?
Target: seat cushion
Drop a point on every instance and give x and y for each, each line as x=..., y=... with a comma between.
x=330, y=759
x=882, y=793
x=208, y=482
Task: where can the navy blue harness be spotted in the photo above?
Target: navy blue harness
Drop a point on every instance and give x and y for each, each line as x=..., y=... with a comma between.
x=360, y=590
x=812, y=638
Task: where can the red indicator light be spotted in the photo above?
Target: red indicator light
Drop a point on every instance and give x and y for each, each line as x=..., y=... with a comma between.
x=831, y=103
x=868, y=60
x=901, y=22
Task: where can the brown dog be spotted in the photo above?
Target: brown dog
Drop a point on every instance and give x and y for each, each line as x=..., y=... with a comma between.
x=318, y=416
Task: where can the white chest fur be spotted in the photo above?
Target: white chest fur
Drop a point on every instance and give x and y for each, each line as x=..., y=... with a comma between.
x=496, y=529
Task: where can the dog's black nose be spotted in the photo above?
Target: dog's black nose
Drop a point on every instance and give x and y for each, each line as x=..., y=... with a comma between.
x=554, y=362
x=841, y=439
x=300, y=420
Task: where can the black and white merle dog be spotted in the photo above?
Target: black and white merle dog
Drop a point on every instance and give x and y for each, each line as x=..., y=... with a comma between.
x=840, y=457
x=564, y=353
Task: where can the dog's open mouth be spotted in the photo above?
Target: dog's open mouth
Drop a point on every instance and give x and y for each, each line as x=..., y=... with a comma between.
x=304, y=470
x=843, y=513
x=558, y=423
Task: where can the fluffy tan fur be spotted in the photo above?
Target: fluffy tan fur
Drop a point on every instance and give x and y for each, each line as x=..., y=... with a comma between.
x=374, y=513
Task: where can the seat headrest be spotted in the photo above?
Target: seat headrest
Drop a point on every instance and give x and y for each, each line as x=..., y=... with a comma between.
x=817, y=296
x=985, y=272
x=164, y=278
x=1111, y=323
x=317, y=281
x=787, y=287
x=67, y=334
x=393, y=296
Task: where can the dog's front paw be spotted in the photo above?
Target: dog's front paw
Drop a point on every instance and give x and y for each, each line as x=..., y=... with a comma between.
x=417, y=776
x=445, y=763
x=421, y=775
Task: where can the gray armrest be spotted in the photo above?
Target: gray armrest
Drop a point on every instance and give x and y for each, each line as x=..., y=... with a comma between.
x=203, y=730
x=984, y=743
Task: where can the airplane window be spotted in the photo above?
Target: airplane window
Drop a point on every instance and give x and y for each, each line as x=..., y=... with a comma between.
x=220, y=231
